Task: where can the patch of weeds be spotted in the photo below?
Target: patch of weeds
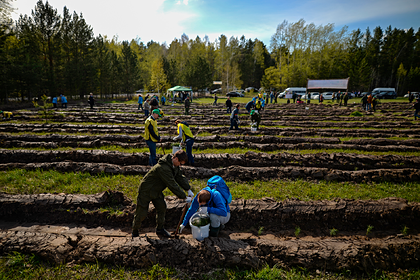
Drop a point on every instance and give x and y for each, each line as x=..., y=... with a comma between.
x=369, y=230
x=356, y=114
x=297, y=231
x=333, y=232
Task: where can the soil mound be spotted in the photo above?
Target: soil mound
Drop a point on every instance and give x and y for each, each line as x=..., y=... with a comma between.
x=76, y=228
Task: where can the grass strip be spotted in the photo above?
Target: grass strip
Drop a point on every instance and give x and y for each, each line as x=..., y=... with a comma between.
x=20, y=181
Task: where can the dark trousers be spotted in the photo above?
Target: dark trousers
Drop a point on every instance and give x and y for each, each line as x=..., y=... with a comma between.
x=233, y=123
x=188, y=146
x=152, y=149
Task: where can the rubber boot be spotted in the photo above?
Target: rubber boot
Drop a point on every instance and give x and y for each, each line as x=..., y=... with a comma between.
x=163, y=232
x=135, y=233
x=214, y=231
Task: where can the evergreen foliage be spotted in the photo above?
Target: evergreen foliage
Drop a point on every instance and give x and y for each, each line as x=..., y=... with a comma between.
x=51, y=53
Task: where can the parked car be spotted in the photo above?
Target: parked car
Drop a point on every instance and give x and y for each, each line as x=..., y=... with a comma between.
x=327, y=95
x=414, y=93
x=364, y=93
x=235, y=94
x=386, y=95
x=248, y=89
x=218, y=90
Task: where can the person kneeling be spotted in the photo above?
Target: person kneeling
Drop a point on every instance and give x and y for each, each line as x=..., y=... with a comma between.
x=212, y=202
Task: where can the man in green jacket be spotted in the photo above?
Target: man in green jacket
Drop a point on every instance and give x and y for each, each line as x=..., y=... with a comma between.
x=165, y=174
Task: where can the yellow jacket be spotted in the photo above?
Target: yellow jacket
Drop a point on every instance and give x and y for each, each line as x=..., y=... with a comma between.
x=150, y=121
x=186, y=131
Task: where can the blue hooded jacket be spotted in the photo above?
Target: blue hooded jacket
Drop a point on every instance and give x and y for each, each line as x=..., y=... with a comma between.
x=216, y=205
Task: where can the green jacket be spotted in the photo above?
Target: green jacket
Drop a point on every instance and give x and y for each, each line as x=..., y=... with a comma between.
x=164, y=175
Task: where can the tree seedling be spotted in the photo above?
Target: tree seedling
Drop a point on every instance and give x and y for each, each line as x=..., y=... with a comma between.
x=333, y=232
x=369, y=229
x=297, y=231
x=404, y=230
x=260, y=230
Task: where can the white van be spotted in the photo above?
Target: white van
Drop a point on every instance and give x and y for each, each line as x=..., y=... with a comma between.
x=381, y=89
x=298, y=90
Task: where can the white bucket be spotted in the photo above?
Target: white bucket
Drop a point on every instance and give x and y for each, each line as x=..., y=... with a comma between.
x=176, y=149
x=253, y=128
x=199, y=233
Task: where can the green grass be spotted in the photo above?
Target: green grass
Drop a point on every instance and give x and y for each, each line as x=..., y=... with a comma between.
x=19, y=266
x=34, y=182
x=230, y=151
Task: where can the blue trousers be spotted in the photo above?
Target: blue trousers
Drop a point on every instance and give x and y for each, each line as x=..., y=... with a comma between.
x=152, y=149
x=188, y=146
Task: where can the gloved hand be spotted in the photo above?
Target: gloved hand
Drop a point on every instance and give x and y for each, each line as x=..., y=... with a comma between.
x=188, y=199
x=202, y=209
x=181, y=227
x=190, y=193
x=174, y=138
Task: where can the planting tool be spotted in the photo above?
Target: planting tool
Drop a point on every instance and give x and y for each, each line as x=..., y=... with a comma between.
x=162, y=149
x=184, y=211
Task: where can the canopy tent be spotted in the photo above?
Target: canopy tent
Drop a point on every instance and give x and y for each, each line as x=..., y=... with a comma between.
x=328, y=84
x=179, y=89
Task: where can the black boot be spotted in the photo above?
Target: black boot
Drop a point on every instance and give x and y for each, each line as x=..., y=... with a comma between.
x=214, y=231
x=135, y=233
x=163, y=232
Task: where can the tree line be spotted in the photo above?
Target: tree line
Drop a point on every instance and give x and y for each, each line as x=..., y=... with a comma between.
x=51, y=53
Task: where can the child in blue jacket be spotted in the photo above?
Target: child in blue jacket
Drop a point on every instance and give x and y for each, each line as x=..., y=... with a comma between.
x=212, y=202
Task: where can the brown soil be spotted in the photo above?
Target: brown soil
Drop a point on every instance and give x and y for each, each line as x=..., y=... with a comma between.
x=73, y=229
x=76, y=229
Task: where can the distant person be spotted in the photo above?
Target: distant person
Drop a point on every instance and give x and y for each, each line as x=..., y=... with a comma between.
x=229, y=105
x=215, y=100
x=369, y=102
x=146, y=108
x=271, y=96
x=6, y=115
x=256, y=117
x=54, y=101
x=162, y=100
x=140, y=101
x=294, y=96
x=154, y=103
x=374, y=103
x=416, y=106
x=187, y=105
x=186, y=137
x=63, y=100
x=320, y=98
x=234, y=118
x=346, y=98
x=338, y=96
x=151, y=134
x=364, y=102
x=410, y=97
x=91, y=100
x=309, y=98
x=250, y=105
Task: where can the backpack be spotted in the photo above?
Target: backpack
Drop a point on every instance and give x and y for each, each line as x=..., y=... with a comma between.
x=216, y=182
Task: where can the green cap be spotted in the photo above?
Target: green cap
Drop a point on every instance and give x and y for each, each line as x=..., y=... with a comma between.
x=157, y=111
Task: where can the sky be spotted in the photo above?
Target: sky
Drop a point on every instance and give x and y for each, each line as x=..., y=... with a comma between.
x=165, y=20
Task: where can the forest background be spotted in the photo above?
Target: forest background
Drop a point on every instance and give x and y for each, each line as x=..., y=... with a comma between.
x=52, y=54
